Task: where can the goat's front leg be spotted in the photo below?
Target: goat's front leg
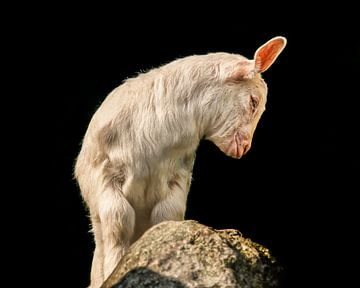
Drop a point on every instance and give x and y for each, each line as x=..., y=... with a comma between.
x=173, y=205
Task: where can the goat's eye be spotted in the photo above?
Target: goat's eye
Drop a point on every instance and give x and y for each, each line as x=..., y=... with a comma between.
x=254, y=102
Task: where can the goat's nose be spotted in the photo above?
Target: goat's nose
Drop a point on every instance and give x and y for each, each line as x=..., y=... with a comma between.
x=247, y=146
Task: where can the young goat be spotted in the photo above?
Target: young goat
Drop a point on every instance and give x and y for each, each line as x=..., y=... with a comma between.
x=136, y=160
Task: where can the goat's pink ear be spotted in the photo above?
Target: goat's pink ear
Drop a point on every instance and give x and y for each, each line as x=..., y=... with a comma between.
x=267, y=53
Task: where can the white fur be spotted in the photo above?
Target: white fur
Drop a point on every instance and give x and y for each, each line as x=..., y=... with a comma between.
x=135, y=164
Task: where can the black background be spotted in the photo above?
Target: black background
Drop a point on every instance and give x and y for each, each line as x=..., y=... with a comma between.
x=293, y=192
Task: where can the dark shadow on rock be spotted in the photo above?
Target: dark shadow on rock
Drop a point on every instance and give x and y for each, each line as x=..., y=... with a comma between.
x=143, y=278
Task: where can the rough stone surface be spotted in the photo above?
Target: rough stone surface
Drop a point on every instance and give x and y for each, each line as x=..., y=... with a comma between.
x=188, y=254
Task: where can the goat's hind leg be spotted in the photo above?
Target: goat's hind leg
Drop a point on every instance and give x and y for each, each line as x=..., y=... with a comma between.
x=97, y=267
x=117, y=226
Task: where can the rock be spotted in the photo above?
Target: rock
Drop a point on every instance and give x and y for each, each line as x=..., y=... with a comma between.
x=188, y=254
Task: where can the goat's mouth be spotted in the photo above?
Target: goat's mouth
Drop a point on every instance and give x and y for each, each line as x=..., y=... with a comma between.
x=235, y=145
x=238, y=146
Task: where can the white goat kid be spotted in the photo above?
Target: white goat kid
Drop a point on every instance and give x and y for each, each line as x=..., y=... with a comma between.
x=136, y=160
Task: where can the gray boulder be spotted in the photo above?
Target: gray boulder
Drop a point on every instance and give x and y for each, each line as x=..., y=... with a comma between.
x=179, y=254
